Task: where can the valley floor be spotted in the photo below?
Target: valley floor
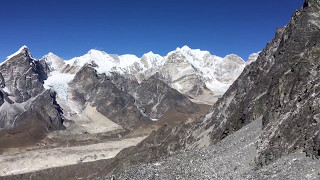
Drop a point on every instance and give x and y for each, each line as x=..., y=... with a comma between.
x=28, y=161
x=232, y=158
x=88, y=143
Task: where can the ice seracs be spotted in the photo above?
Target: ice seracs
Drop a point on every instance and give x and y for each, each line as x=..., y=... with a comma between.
x=59, y=82
x=57, y=79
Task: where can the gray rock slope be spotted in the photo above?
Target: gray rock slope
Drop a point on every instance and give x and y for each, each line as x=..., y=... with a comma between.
x=98, y=90
x=24, y=103
x=281, y=86
x=154, y=97
x=231, y=158
x=124, y=100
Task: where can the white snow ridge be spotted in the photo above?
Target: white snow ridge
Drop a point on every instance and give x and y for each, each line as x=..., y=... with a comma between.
x=182, y=68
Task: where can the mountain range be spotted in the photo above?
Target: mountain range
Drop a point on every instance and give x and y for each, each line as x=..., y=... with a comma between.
x=39, y=96
x=207, y=117
x=190, y=71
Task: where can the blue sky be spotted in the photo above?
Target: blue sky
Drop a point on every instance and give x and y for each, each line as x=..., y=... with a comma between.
x=70, y=28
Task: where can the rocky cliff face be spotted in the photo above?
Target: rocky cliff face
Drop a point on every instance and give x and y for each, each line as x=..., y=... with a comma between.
x=281, y=87
x=22, y=75
x=98, y=90
x=291, y=117
x=156, y=98
x=24, y=103
x=124, y=100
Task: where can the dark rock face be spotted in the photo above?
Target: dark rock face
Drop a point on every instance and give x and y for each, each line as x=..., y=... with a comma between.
x=2, y=82
x=98, y=90
x=293, y=100
x=125, y=101
x=281, y=87
x=156, y=98
x=23, y=76
x=1, y=98
x=24, y=103
x=45, y=110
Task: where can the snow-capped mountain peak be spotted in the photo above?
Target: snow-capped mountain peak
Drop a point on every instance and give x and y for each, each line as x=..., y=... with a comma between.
x=190, y=71
x=151, y=55
x=151, y=60
x=187, y=51
x=95, y=51
x=54, y=62
x=23, y=50
x=234, y=58
x=104, y=62
x=185, y=48
x=50, y=54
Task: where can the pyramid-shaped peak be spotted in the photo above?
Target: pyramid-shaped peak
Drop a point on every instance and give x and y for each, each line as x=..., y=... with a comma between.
x=23, y=50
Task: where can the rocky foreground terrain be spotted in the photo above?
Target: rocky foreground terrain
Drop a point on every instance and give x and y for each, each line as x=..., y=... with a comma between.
x=231, y=158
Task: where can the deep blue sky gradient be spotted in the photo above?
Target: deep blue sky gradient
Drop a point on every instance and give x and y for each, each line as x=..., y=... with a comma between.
x=70, y=28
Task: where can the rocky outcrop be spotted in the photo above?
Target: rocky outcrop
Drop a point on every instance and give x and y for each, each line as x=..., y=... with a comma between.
x=253, y=57
x=23, y=76
x=293, y=100
x=43, y=110
x=2, y=82
x=125, y=101
x=1, y=98
x=157, y=98
x=24, y=102
x=98, y=90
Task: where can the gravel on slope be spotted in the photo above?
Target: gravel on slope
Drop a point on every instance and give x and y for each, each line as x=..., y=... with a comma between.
x=293, y=166
x=231, y=159
x=228, y=159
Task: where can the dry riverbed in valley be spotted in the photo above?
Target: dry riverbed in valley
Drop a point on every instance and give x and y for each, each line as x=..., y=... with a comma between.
x=28, y=161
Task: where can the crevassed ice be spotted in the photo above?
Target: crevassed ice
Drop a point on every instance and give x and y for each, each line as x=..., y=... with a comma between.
x=59, y=82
